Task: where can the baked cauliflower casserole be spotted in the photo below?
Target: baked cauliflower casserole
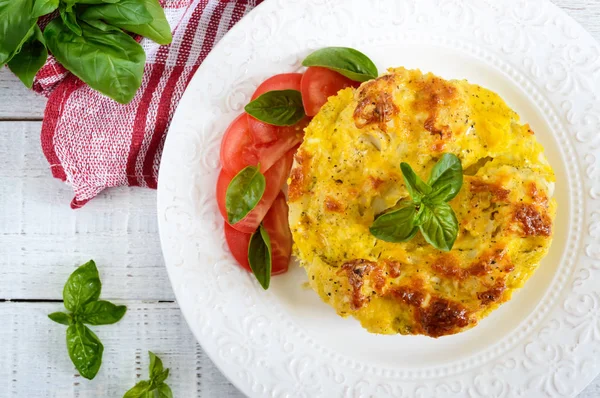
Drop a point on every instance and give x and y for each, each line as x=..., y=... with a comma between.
x=347, y=172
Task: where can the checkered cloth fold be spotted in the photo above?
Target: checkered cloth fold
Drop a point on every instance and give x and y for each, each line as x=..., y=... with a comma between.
x=91, y=141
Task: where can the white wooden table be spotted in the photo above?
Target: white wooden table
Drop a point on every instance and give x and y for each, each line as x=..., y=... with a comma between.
x=42, y=240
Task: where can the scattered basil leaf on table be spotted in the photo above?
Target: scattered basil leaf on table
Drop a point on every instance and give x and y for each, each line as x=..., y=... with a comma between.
x=85, y=350
x=347, y=61
x=278, y=107
x=80, y=297
x=259, y=256
x=16, y=23
x=110, y=62
x=43, y=7
x=157, y=30
x=243, y=193
x=155, y=387
x=133, y=12
x=429, y=210
x=33, y=55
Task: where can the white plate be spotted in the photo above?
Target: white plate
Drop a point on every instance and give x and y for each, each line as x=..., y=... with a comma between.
x=286, y=342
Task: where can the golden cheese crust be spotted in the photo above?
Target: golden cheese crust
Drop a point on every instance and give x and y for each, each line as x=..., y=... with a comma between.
x=347, y=171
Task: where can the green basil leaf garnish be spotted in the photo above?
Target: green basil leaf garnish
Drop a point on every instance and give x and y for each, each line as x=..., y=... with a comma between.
x=43, y=7
x=278, y=107
x=60, y=317
x=396, y=226
x=70, y=19
x=243, y=193
x=164, y=391
x=102, y=313
x=439, y=226
x=155, y=387
x=85, y=350
x=80, y=296
x=429, y=211
x=16, y=23
x=446, y=178
x=110, y=62
x=132, y=12
x=82, y=287
x=157, y=30
x=347, y=61
x=259, y=256
x=416, y=187
x=33, y=55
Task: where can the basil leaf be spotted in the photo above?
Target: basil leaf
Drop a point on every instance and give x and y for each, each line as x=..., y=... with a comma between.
x=347, y=61
x=124, y=12
x=278, y=107
x=70, y=20
x=16, y=23
x=139, y=390
x=30, y=59
x=82, y=287
x=416, y=187
x=157, y=30
x=156, y=365
x=60, y=317
x=43, y=7
x=446, y=179
x=396, y=226
x=85, y=350
x=102, y=313
x=164, y=391
x=103, y=26
x=110, y=62
x=259, y=256
x=243, y=193
x=439, y=226
x=162, y=376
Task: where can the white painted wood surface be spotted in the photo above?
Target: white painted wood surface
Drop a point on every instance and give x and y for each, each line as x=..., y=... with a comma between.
x=42, y=240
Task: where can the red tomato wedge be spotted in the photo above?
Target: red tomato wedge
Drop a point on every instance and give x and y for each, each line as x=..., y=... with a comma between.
x=238, y=243
x=275, y=178
x=283, y=81
x=238, y=149
x=318, y=84
x=237, y=146
x=277, y=225
x=265, y=133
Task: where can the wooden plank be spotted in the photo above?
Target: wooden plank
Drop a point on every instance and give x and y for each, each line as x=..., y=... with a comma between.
x=17, y=102
x=35, y=362
x=43, y=239
x=586, y=12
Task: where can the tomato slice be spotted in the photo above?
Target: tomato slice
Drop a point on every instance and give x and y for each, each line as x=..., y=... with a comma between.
x=318, y=84
x=277, y=225
x=275, y=178
x=265, y=133
x=287, y=138
x=283, y=81
x=237, y=146
x=238, y=243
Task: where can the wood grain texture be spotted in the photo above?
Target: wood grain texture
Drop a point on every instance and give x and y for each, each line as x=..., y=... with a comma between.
x=16, y=101
x=42, y=240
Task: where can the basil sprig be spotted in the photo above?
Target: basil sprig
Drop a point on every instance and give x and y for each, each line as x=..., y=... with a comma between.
x=156, y=386
x=347, y=61
x=80, y=297
x=259, y=256
x=428, y=211
x=277, y=107
x=243, y=193
x=87, y=38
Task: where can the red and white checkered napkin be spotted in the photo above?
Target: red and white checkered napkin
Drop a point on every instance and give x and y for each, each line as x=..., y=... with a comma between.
x=91, y=141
